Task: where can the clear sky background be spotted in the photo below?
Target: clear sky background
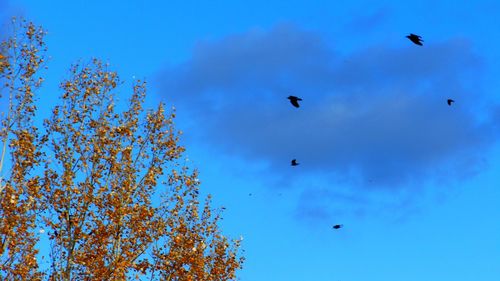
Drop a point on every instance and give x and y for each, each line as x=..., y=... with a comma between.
x=415, y=182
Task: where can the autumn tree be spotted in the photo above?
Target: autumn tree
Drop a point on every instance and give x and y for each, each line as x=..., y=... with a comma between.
x=108, y=186
x=21, y=56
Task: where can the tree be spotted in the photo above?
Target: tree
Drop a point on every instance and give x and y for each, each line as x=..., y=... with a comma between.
x=21, y=57
x=115, y=198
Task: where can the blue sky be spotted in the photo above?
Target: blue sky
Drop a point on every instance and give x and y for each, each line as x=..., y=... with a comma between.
x=414, y=181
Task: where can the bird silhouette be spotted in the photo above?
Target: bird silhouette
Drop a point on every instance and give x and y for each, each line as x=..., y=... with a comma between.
x=450, y=101
x=294, y=162
x=294, y=100
x=415, y=39
x=338, y=226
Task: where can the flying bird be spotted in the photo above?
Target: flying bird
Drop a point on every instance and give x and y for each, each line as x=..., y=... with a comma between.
x=415, y=39
x=450, y=101
x=294, y=162
x=294, y=100
x=338, y=226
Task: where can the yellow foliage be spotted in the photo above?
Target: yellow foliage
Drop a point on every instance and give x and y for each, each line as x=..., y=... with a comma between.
x=90, y=181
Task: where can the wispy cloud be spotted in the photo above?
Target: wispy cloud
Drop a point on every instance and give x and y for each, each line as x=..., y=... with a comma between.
x=377, y=117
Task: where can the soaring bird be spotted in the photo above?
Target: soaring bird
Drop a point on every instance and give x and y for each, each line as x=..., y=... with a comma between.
x=450, y=101
x=294, y=162
x=294, y=100
x=415, y=39
x=338, y=226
